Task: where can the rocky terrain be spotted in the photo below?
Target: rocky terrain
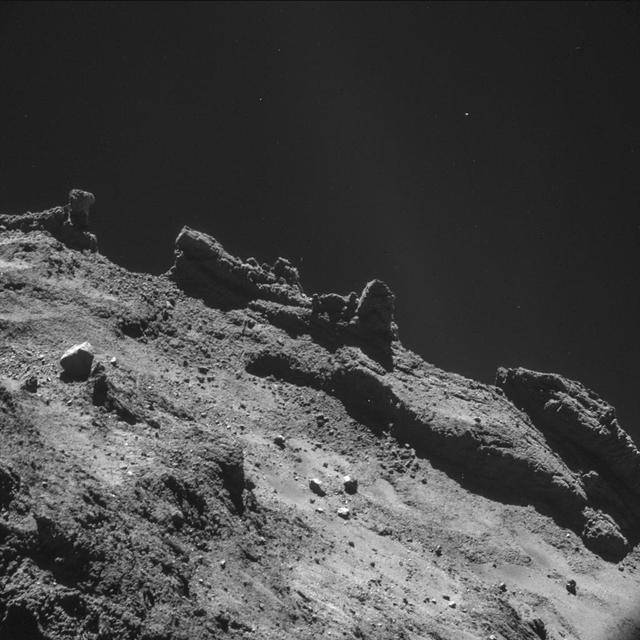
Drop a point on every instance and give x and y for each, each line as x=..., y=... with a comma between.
x=215, y=453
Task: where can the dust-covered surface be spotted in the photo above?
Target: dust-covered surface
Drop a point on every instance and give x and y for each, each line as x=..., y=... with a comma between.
x=169, y=494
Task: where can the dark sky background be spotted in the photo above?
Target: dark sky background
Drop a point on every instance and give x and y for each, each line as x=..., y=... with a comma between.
x=483, y=159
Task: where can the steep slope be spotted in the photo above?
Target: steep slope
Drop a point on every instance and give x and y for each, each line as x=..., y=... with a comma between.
x=167, y=494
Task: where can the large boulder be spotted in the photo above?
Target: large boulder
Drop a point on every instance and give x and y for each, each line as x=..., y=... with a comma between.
x=77, y=360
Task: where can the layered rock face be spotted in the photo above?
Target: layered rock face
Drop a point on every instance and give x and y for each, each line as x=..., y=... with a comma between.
x=584, y=430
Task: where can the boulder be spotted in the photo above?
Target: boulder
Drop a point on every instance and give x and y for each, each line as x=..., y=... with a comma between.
x=76, y=361
x=350, y=484
x=316, y=486
x=344, y=513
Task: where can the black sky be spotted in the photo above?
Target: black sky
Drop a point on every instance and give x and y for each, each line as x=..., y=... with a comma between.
x=483, y=159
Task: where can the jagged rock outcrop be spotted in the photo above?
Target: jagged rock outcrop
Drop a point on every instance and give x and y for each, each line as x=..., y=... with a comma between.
x=203, y=268
x=68, y=223
x=584, y=430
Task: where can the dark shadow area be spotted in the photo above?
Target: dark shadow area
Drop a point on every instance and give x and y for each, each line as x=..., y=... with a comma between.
x=20, y=624
x=67, y=378
x=66, y=557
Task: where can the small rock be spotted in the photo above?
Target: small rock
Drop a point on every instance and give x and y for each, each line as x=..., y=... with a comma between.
x=452, y=605
x=77, y=361
x=571, y=587
x=223, y=564
x=316, y=486
x=344, y=512
x=502, y=586
x=438, y=550
x=350, y=484
x=280, y=441
x=30, y=384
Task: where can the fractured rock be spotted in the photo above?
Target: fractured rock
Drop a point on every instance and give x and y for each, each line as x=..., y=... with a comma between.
x=76, y=361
